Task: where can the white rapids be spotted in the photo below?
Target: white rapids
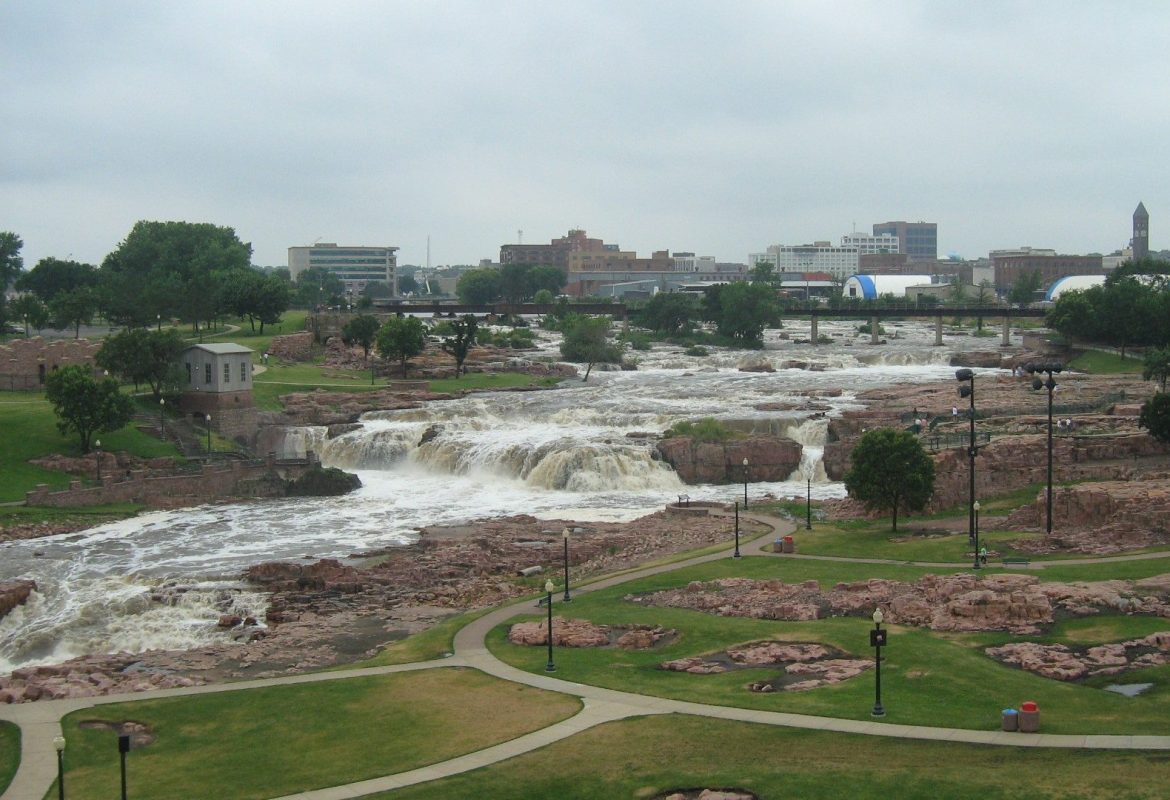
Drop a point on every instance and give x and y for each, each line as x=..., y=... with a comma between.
x=583, y=451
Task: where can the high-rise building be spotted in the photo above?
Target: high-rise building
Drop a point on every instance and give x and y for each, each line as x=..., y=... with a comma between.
x=355, y=266
x=1140, y=245
x=918, y=240
x=871, y=245
x=840, y=262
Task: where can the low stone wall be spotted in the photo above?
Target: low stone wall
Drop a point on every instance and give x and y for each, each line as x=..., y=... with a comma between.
x=212, y=482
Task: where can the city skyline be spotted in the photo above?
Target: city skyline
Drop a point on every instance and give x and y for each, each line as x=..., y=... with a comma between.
x=705, y=128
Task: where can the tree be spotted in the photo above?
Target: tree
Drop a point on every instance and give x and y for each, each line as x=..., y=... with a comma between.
x=10, y=266
x=1157, y=366
x=85, y=406
x=362, y=330
x=1155, y=416
x=402, y=338
x=891, y=472
x=462, y=337
x=317, y=286
x=669, y=313
x=479, y=286
x=140, y=356
x=406, y=285
x=258, y=297
x=587, y=341
x=983, y=298
x=544, y=297
x=190, y=257
x=1073, y=316
x=764, y=272
x=1024, y=290
x=73, y=308
x=746, y=309
x=542, y=278
x=514, y=282
x=52, y=276
x=29, y=309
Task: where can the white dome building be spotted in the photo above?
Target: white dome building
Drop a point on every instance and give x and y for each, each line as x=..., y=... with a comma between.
x=871, y=287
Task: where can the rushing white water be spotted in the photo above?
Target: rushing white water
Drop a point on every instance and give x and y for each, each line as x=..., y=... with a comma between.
x=582, y=451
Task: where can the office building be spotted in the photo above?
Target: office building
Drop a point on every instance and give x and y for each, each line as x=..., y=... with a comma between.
x=355, y=266
x=918, y=240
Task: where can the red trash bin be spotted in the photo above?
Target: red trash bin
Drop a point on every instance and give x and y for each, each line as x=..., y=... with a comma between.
x=789, y=545
x=1029, y=717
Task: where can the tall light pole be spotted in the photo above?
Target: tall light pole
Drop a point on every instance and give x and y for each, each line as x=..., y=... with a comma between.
x=745, y=482
x=808, y=506
x=736, y=553
x=548, y=590
x=877, y=638
x=967, y=378
x=162, y=407
x=97, y=460
x=208, y=417
x=123, y=749
x=59, y=746
x=1051, y=368
x=975, y=508
x=565, y=539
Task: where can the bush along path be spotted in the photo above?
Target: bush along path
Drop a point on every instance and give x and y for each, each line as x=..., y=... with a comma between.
x=40, y=722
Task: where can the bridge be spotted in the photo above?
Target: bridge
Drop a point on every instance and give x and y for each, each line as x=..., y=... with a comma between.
x=615, y=310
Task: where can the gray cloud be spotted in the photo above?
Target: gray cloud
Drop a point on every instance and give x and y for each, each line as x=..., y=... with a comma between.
x=714, y=127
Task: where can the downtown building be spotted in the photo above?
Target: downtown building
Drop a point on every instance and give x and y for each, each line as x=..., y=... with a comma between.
x=918, y=240
x=840, y=262
x=355, y=266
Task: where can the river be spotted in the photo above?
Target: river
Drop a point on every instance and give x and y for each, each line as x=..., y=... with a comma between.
x=162, y=580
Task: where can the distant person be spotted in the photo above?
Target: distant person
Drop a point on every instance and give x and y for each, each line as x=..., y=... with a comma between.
x=954, y=411
x=983, y=556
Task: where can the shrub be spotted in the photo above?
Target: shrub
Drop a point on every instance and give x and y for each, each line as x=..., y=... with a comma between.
x=708, y=429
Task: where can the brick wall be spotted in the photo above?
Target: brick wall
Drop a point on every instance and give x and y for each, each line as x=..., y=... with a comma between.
x=24, y=363
x=219, y=482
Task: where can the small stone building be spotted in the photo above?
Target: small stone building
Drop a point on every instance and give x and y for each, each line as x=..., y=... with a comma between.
x=216, y=377
x=25, y=363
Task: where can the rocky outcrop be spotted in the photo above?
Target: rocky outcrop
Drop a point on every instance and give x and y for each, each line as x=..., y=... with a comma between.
x=582, y=633
x=770, y=458
x=1062, y=663
x=15, y=593
x=323, y=482
x=1098, y=518
x=804, y=665
x=962, y=602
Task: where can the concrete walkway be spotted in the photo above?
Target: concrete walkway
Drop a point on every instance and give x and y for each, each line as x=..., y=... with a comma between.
x=40, y=721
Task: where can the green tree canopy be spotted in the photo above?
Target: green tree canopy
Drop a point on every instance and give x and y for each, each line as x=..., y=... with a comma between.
x=361, y=330
x=402, y=338
x=463, y=331
x=73, y=308
x=140, y=355
x=29, y=309
x=85, y=406
x=1024, y=290
x=158, y=258
x=11, y=264
x=252, y=295
x=479, y=286
x=745, y=310
x=52, y=276
x=544, y=278
x=1155, y=416
x=890, y=472
x=586, y=340
x=1156, y=366
x=764, y=272
x=317, y=286
x=669, y=313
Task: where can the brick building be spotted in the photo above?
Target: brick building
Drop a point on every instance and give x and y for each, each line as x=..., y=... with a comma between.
x=1009, y=267
x=25, y=363
x=556, y=253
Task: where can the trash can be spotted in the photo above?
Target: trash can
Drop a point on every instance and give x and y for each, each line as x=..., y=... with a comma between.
x=789, y=545
x=1011, y=720
x=1029, y=717
x=778, y=546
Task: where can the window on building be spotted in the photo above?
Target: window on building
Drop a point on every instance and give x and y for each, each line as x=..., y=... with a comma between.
x=227, y=372
x=243, y=371
x=207, y=373
x=189, y=379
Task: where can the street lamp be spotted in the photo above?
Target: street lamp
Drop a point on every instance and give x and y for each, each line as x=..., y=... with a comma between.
x=123, y=749
x=59, y=746
x=565, y=539
x=162, y=406
x=208, y=417
x=808, y=506
x=1051, y=368
x=97, y=460
x=548, y=590
x=745, y=482
x=975, y=508
x=877, y=638
x=736, y=553
x=967, y=378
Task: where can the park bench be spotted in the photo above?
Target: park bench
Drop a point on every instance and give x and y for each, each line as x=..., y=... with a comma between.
x=1016, y=561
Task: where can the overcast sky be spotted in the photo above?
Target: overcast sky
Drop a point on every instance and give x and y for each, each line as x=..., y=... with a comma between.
x=714, y=127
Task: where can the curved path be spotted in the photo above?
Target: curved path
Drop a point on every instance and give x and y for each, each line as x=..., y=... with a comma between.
x=41, y=721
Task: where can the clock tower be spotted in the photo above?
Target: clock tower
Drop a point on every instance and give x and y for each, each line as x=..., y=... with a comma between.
x=1140, y=244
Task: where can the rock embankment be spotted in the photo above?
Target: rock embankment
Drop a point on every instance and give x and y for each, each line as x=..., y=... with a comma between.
x=770, y=458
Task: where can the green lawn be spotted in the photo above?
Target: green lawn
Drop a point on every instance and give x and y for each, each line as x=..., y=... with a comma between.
x=935, y=679
x=9, y=753
x=646, y=757
x=1096, y=362
x=30, y=431
x=293, y=321
x=269, y=742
